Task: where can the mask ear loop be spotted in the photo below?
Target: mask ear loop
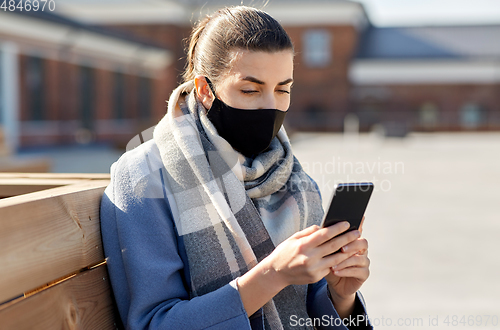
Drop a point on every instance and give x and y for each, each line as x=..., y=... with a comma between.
x=211, y=86
x=212, y=89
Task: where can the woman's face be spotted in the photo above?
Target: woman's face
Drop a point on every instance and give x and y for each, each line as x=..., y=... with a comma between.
x=258, y=80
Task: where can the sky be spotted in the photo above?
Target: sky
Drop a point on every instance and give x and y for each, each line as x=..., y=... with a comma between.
x=432, y=12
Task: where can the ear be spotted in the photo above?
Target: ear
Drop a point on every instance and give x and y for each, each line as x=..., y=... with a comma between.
x=203, y=91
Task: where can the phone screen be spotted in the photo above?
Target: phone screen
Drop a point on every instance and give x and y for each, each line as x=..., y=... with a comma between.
x=348, y=203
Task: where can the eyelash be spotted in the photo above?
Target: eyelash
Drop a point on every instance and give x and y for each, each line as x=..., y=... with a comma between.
x=252, y=92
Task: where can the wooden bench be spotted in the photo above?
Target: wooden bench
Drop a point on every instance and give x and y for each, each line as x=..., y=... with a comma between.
x=52, y=269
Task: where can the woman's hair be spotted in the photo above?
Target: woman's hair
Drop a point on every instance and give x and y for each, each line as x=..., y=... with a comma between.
x=240, y=27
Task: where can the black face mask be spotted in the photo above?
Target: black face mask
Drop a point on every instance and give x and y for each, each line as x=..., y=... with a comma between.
x=247, y=131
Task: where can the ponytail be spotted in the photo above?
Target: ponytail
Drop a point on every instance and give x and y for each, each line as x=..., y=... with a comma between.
x=193, y=41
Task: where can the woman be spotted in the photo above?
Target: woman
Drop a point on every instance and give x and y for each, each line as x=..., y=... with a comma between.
x=213, y=223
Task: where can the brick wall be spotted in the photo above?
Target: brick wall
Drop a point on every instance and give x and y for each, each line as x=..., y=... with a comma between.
x=404, y=104
x=170, y=37
x=320, y=96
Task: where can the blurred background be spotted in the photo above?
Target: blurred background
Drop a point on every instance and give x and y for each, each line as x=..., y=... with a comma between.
x=403, y=93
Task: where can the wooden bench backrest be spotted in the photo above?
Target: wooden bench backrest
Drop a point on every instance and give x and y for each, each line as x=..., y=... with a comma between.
x=52, y=269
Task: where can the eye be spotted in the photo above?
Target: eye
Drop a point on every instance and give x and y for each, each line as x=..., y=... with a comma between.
x=248, y=91
x=283, y=91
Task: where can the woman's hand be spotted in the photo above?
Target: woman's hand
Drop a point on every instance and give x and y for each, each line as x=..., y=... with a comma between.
x=346, y=277
x=303, y=258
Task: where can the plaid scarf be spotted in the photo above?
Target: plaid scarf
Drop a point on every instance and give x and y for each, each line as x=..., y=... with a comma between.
x=233, y=210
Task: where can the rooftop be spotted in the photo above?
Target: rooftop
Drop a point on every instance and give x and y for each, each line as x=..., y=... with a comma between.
x=447, y=42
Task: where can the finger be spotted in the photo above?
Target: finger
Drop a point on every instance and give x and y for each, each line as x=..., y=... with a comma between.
x=325, y=234
x=359, y=246
x=339, y=242
x=361, y=261
x=360, y=273
x=332, y=260
x=361, y=225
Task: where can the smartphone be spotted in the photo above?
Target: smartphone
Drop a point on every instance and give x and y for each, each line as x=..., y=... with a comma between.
x=348, y=203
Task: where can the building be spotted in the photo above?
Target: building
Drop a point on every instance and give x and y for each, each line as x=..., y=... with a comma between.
x=62, y=81
x=428, y=78
x=325, y=34
x=401, y=79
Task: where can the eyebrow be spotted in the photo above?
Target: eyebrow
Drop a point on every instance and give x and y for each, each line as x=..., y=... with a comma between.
x=260, y=82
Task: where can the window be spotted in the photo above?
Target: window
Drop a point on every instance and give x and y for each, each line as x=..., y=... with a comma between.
x=471, y=116
x=144, y=98
x=119, y=96
x=428, y=115
x=317, y=48
x=315, y=114
x=34, y=83
x=87, y=97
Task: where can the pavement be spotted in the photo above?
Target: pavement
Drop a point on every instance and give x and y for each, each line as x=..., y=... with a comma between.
x=432, y=224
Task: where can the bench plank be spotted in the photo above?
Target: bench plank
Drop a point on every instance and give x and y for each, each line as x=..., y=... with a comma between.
x=47, y=235
x=89, y=176
x=15, y=186
x=82, y=302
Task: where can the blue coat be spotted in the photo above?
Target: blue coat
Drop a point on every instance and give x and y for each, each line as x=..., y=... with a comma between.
x=148, y=266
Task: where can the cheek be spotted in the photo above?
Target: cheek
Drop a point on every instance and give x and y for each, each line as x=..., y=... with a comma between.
x=283, y=102
x=234, y=99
